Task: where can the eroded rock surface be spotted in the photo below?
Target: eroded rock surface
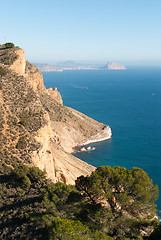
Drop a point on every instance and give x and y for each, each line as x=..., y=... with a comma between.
x=35, y=127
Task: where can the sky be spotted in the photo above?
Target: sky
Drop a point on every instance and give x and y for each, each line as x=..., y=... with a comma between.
x=125, y=31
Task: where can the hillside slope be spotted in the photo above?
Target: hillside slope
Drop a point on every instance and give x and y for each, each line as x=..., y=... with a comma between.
x=36, y=128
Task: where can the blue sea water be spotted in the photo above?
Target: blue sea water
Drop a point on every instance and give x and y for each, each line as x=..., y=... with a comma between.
x=129, y=101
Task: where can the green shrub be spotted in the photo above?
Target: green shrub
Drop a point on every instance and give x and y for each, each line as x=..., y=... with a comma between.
x=32, y=173
x=74, y=230
x=117, y=201
x=21, y=171
x=22, y=143
x=35, y=174
x=40, y=209
x=3, y=71
x=9, y=45
x=26, y=182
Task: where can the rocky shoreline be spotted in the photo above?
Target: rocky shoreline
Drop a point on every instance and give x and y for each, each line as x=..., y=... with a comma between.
x=107, y=134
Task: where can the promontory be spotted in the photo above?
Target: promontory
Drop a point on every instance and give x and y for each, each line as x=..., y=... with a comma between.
x=35, y=127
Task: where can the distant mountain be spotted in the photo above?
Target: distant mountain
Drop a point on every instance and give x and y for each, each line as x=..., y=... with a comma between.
x=67, y=65
x=47, y=67
x=72, y=65
x=114, y=66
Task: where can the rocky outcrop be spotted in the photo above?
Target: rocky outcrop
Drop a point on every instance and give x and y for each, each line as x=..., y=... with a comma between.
x=54, y=94
x=19, y=64
x=78, y=129
x=25, y=126
x=34, y=77
x=36, y=128
x=44, y=158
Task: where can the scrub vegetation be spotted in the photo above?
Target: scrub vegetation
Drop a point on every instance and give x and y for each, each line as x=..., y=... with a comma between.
x=112, y=203
x=7, y=53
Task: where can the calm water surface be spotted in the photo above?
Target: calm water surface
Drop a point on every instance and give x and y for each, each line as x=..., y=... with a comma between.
x=129, y=101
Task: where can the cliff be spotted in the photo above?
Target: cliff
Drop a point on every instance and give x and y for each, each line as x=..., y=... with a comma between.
x=35, y=127
x=54, y=94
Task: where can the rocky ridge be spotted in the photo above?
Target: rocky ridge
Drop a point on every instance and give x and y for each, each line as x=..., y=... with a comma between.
x=35, y=127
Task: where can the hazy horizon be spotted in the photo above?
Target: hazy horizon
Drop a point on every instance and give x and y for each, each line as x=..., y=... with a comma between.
x=53, y=31
x=90, y=62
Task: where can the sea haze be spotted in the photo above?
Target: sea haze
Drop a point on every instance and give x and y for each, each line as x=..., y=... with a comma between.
x=129, y=101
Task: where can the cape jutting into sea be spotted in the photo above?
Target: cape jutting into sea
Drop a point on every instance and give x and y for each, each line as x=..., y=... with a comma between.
x=129, y=101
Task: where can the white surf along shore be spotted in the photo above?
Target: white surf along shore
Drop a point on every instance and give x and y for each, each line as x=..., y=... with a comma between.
x=99, y=137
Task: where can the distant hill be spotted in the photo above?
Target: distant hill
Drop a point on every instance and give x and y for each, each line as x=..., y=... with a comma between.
x=47, y=67
x=72, y=65
x=114, y=66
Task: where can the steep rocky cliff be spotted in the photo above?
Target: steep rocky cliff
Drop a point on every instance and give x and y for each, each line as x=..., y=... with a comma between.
x=35, y=127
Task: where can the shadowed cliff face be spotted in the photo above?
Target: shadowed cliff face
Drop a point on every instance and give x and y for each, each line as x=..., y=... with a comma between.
x=36, y=128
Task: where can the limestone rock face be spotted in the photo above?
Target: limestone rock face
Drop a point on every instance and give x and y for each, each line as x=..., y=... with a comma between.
x=68, y=167
x=34, y=77
x=44, y=157
x=25, y=126
x=54, y=94
x=19, y=64
x=78, y=129
x=36, y=128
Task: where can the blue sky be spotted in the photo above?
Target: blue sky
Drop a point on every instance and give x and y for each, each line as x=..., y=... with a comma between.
x=50, y=31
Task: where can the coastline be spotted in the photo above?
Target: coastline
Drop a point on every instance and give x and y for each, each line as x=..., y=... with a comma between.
x=107, y=134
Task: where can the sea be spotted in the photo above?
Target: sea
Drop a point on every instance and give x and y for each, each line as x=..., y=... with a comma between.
x=129, y=101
